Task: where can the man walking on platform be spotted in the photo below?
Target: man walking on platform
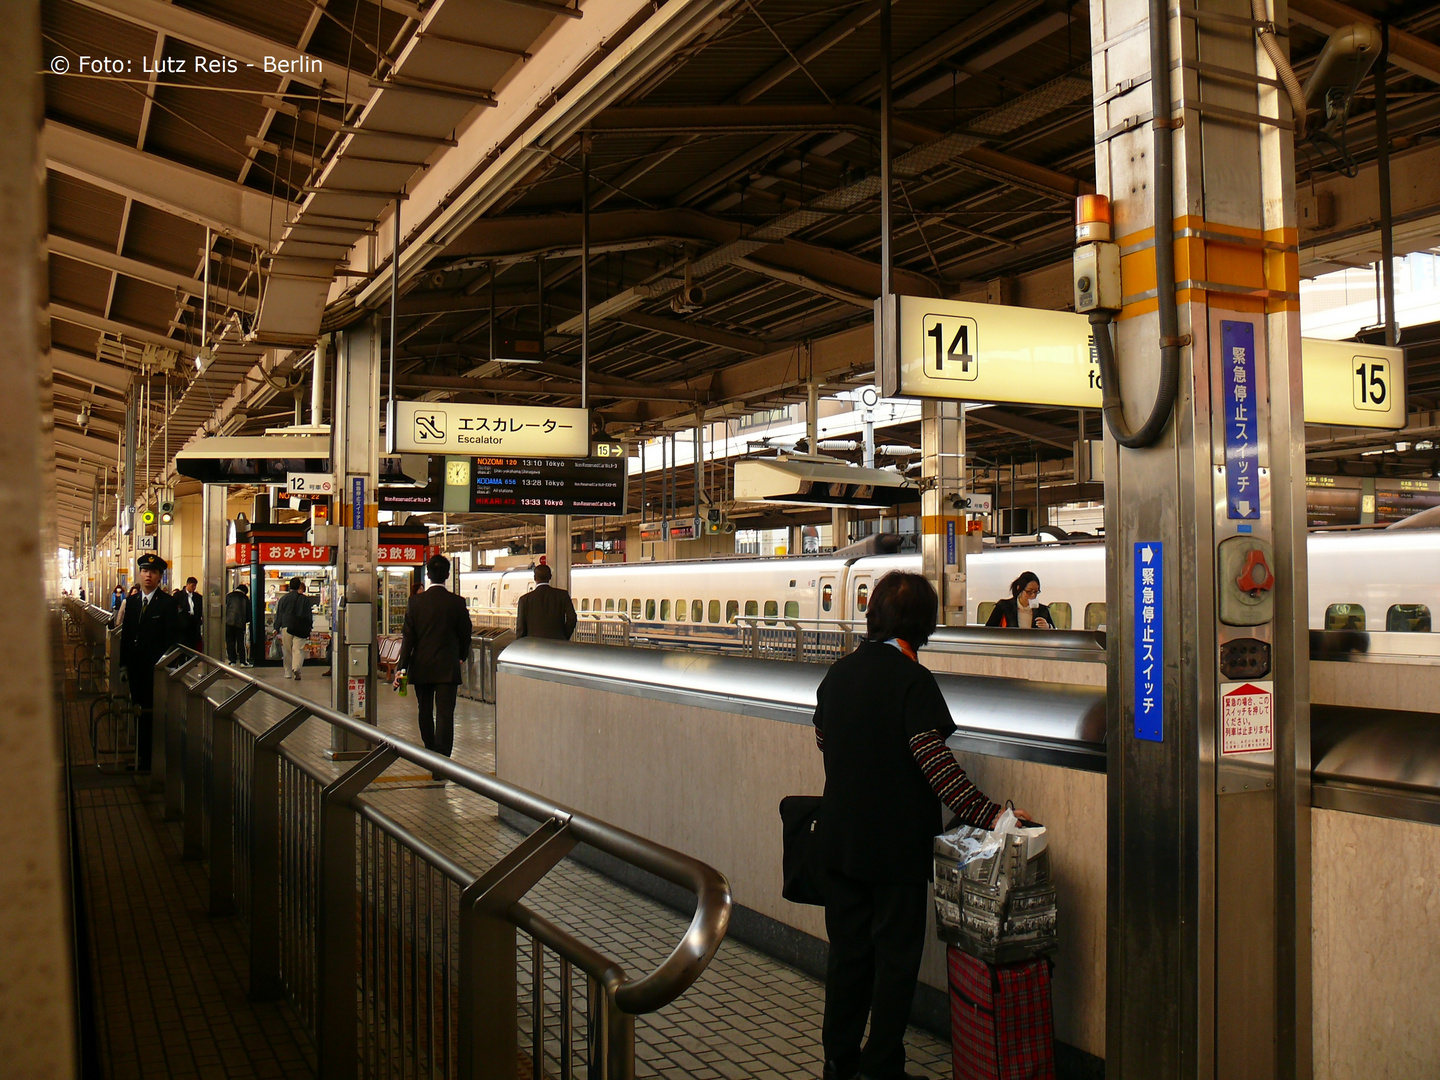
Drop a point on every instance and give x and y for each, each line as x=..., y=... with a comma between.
x=545, y=611
x=294, y=618
x=237, y=617
x=435, y=640
x=149, y=626
x=192, y=615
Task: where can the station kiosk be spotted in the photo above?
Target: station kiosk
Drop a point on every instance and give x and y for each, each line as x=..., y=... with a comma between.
x=265, y=563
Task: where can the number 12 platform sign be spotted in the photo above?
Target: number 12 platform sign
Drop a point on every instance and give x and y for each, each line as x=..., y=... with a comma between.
x=988, y=352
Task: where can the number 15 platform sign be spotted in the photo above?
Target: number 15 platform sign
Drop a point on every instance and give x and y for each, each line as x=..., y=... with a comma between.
x=954, y=349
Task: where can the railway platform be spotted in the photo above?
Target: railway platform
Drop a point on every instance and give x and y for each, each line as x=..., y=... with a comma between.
x=169, y=979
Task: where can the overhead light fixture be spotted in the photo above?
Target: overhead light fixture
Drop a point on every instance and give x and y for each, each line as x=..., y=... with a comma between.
x=527, y=360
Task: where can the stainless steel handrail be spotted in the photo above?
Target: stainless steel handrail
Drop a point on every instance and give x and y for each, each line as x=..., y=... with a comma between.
x=501, y=887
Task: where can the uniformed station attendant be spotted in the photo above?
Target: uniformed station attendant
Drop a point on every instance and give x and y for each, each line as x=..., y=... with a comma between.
x=150, y=626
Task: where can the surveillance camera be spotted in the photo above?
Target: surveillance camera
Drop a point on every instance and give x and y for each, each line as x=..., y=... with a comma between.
x=83, y=416
x=1348, y=56
x=690, y=298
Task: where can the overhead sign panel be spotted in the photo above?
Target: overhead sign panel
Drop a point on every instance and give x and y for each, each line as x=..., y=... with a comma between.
x=447, y=427
x=1352, y=384
x=961, y=351
x=989, y=352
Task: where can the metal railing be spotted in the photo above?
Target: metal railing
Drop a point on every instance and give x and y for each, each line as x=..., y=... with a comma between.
x=399, y=960
x=99, y=686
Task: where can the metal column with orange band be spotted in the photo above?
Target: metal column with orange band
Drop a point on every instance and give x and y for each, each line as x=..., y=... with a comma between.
x=1208, y=971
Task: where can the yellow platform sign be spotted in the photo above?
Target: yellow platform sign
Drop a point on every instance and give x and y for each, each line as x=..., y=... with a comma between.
x=961, y=351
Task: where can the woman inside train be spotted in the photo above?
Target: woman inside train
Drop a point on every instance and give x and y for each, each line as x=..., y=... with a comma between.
x=1019, y=609
x=881, y=723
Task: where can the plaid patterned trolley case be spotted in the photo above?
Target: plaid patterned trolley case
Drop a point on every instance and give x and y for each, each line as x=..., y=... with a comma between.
x=1001, y=1026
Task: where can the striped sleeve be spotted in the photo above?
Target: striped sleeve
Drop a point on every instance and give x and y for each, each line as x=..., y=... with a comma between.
x=820, y=738
x=949, y=781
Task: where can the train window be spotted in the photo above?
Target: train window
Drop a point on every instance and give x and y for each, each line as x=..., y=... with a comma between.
x=862, y=597
x=697, y=611
x=584, y=605
x=772, y=609
x=1345, y=617
x=635, y=608
x=792, y=609
x=827, y=597
x=1408, y=619
x=609, y=603
x=714, y=614
x=649, y=610
x=732, y=611
x=1095, y=616
x=492, y=595
x=680, y=607
x=1060, y=612
x=982, y=614
x=664, y=610
x=752, y=608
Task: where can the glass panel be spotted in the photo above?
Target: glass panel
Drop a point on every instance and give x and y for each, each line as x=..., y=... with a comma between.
x=827, y=597
x=1060, y=611
x=714, y=614
x=649, y=610
x=1345, y=617
x=664, y=610
x=732, y=610
x=792, y=609
x=635, y=608
x=609, y=603
x=1095, y=616
x=1408, y=619
x=862, y=598
x=680, y=608
x=697, y=610
x=752, y=607
x=772, y=609
x=584, y=605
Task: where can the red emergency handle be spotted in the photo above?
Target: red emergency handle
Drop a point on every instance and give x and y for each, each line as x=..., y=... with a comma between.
x=1255, y=576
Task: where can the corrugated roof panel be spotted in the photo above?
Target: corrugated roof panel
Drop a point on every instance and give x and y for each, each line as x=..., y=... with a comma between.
x=281, y=20
x=82, y=211
x=201, y=125
x=80, y=35
x=78, y=284
x=143, y=305
x=156, y=237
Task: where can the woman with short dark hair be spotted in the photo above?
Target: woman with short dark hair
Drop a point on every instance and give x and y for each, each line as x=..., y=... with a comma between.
x=881, y=722
x=1019, y=608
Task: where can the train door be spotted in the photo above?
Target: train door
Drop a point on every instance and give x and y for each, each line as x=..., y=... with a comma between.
x=831, y=598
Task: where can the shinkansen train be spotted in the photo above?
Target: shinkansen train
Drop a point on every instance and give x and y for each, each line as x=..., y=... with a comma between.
x=1373, y=581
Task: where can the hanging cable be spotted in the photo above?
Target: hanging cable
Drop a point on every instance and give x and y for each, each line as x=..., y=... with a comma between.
x=1164, y=195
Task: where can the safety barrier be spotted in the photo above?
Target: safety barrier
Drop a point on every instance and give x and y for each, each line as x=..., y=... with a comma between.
x=99, y=686
x=398, y=959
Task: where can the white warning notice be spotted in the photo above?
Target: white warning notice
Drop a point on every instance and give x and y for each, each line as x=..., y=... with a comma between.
x=1246, y=717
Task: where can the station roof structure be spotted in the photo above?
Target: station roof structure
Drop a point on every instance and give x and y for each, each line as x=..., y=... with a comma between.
x=732, y=154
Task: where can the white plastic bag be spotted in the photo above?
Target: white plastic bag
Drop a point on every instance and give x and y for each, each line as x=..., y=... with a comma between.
x=965, y=843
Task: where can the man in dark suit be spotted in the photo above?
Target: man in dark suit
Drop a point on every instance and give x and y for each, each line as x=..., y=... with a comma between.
x=150, y=625
x=434, y=642
x=192, y=614
x=545, y=611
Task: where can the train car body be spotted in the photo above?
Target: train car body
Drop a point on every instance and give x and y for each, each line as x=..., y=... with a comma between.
x=1374, y=581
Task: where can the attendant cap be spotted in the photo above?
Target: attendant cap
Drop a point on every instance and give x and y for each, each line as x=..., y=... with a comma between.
x=151, y=561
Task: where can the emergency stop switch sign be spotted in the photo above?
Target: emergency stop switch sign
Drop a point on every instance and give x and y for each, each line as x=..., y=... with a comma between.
x=1247, y=723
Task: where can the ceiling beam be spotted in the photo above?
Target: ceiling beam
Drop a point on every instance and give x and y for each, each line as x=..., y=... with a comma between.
x=65, y=313
x=85, y=446
x=545, y=388
x=805, y=119
x=688, y=331
x=148, y=272
x=247, y=48
x=87, y=369
x=1414, y=54
x=223, y=205
x=1030, y=428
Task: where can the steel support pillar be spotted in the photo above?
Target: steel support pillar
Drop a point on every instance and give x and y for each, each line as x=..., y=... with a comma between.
x=942, y=471
x=354, y=455
x=212, y=568
x=1208, y=956
x=557, y=549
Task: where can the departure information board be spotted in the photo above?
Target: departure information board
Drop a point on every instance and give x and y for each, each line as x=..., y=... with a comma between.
x=593, y=486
